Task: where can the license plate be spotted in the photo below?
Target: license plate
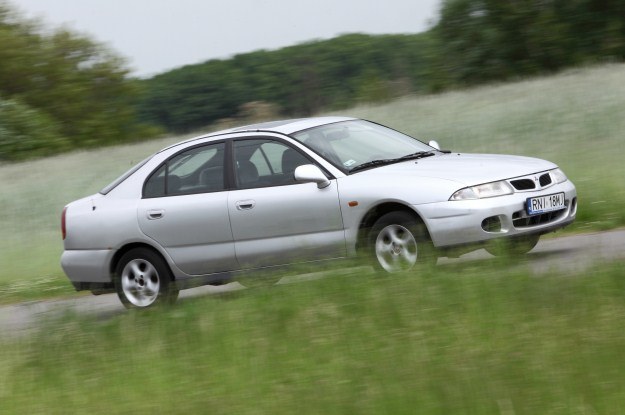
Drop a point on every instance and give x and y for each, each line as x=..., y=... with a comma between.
x=542, y=204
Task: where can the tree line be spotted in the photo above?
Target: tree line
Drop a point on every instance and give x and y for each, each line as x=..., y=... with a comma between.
x=298, y=80
x=484, y=40
x=61, y=91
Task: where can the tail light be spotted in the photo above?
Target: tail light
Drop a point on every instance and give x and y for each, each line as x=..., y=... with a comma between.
x=63, y=229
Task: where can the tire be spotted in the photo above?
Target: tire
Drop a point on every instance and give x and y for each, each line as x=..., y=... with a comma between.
x=143, y=279
x=516, y=246
x=398, y=241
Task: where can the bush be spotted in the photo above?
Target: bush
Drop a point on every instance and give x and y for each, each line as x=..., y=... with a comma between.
x=26, y=132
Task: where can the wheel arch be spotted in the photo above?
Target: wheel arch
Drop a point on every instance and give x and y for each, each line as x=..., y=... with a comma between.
x=375, y=213
x=130, y=246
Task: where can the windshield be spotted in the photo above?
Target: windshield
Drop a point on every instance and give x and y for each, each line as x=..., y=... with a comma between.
x=349, y=144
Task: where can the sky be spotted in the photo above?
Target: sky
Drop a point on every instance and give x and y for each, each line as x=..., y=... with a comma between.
x=158, y=35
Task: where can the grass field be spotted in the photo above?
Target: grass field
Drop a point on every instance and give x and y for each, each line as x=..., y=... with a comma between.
x=476, y=338
x=574, y=119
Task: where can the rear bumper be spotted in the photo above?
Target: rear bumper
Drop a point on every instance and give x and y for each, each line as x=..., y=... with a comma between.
x=455, y=223
x=87, y=266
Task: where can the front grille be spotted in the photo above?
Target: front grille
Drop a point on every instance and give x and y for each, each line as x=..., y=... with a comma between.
x=532, y=182
x=521, y=220
x=523, y=184
x=545, y=180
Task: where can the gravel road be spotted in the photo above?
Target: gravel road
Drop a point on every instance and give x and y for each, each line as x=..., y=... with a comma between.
x=564, y=254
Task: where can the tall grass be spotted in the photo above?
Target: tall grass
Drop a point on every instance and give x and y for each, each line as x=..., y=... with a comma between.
x=574, y=119
x=458, y=340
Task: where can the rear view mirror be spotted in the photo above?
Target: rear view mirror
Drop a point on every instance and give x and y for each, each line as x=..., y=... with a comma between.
x=309, y=173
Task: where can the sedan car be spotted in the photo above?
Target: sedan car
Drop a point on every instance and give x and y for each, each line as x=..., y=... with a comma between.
x=214, y=208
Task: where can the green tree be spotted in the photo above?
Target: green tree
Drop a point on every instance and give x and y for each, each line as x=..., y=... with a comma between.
x=69, y=80
x=300, y=80
x=491, y=39
x=26, y=132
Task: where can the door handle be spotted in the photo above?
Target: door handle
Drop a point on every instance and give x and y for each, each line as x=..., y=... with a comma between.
x=245, y=204
x=155, y=214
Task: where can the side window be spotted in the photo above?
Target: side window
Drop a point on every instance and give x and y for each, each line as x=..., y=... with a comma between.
x=261, y=163
x=198, y=170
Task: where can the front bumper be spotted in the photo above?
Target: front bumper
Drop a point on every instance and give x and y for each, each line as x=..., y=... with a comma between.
x=454, y=223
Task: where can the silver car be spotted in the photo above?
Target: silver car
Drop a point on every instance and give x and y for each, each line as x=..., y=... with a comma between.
x=214, y=208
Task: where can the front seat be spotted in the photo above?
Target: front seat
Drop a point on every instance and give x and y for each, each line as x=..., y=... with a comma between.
x=292, y=159
x=247, y=174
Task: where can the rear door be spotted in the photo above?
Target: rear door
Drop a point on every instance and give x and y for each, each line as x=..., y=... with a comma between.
x=276, y=220
x=185, y=210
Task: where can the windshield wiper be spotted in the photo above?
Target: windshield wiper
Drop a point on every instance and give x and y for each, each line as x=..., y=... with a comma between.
x=383, y=162
x=417, y=155
x=372, y=163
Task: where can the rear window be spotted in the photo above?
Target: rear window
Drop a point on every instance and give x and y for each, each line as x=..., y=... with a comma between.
x=124, y=176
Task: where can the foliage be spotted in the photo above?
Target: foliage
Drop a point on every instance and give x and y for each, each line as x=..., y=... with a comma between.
x=84, y=89
x=77, y=87
x=301, y=80
x=472, y=338
x=485, y=40
x=27, y=132
x=475, y=41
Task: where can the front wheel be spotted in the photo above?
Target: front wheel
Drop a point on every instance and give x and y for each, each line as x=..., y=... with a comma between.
x=143, y=279
x=399, y=242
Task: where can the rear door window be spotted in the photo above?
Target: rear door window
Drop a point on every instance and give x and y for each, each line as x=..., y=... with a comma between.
x=197, y=170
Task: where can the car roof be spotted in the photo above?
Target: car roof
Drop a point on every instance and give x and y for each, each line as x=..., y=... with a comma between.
x=281, y=126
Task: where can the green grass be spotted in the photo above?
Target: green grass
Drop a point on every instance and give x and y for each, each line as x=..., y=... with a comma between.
x=462, y=339
x=574, y=119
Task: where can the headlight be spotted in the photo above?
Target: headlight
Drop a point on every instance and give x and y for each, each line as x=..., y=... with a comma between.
x=483, y=191
x=558, y=176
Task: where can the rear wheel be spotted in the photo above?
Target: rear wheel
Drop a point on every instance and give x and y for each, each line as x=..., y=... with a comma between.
x=143, y=279
x=516, y=246
x=399, y=242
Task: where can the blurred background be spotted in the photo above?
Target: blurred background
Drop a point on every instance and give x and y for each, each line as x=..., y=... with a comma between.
x=89, y=88
x=63, y=88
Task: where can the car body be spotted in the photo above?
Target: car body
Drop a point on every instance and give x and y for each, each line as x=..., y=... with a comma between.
x=213, y=208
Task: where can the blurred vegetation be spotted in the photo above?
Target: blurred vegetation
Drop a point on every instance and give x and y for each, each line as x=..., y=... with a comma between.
x=61, y=90
x=472, y=338
x=299, y=80
x=485, y=40
x=27, y=132
x=475, y=41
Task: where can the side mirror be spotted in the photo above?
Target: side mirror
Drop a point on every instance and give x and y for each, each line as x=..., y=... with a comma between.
x=434, y=143
x=309, y=173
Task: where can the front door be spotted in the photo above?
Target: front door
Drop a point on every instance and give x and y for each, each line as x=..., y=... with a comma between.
x=276, y=220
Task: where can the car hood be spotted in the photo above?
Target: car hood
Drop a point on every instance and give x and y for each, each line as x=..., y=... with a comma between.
x=466, y=169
